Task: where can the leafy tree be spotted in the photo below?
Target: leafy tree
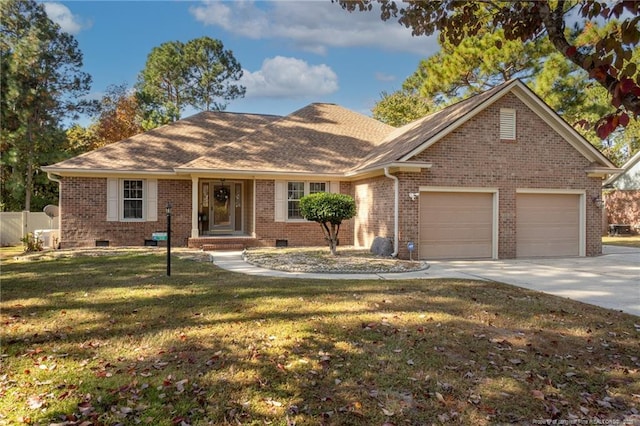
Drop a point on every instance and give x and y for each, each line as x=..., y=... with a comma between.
x=81, y=139
x=477, y=64
x=210, y=73
x=119, y=117
x=608, y=61
x=329, y=210
x=42, y=83
x=199, y=73
x=459, y=71
x=401, y=107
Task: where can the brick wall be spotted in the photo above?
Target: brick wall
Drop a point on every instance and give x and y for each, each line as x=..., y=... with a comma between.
x=83, y=205
x=375, y=210
x=474, y=156
x=623, y=207
x=302, y=233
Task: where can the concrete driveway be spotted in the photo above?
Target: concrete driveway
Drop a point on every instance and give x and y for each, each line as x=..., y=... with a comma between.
x=611, y=280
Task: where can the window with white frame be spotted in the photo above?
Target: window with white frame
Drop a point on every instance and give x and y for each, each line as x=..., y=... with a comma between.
x=297, y=190
x=132, y=199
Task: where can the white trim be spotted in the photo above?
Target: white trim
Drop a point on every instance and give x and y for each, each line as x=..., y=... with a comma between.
x=457, y=189
x=495, y=217
x=459, y=122
x=121, y=217
x=254, y=204
x=396, y=211
x=563, y=128
x=582, y=201
x=542, y=110
x=195, y=189
x=549, y=191
x=113, y=204
x=280, y=194
x=150, y=200
x=626, y=167
x=282, y=197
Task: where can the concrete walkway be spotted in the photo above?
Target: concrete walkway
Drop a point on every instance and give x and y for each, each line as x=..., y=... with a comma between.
x=611, y=280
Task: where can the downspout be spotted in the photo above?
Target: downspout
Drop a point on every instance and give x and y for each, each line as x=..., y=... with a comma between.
x=56, y=180
x=396, y=201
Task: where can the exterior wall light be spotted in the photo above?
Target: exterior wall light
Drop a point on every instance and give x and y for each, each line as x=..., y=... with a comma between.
x=597, y=201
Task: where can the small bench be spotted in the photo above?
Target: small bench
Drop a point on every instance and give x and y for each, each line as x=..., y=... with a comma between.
x=616, y=229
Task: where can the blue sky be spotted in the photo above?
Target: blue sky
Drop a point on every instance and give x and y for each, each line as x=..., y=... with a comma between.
x=292, y=52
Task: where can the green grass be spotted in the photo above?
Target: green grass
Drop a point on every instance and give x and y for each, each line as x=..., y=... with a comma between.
x=113, y=340
x=627, y=241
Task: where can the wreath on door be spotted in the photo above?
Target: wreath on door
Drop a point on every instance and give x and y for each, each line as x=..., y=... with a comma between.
x=222, y=195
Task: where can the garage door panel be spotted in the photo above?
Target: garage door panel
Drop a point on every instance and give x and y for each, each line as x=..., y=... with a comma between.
x=456, y=225
x=547, y=225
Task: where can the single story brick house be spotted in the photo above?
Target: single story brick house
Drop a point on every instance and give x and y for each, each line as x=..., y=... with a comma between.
x=499, y=175
x=622, y=197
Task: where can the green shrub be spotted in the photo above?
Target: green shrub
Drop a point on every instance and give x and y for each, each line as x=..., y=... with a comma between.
x=31, y=243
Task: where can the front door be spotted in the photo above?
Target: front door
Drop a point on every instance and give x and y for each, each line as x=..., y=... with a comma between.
x=220, y=207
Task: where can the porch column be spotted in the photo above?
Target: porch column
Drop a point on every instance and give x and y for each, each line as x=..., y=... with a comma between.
x=194, y=208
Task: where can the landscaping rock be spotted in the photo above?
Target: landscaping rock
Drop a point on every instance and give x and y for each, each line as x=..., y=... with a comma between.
x=382, y=246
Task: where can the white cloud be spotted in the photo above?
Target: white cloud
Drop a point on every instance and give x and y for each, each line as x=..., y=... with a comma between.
x=61, y=15
x=381, y=76
x=311, y=25
x=282, y=77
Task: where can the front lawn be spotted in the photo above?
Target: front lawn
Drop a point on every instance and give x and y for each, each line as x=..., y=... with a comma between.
x=93, y=340
x=627, y=241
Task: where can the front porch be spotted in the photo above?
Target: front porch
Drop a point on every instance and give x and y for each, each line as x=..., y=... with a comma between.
x=222, y=211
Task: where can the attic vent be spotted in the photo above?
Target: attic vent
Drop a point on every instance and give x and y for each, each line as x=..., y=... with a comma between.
x=507, y=123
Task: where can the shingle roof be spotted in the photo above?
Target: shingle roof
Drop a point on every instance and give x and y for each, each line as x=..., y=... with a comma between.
x=410, y=136
x=166, y=147
x=319, y=138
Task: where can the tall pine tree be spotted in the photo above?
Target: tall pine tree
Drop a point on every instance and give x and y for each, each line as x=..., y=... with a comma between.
x=42, y=84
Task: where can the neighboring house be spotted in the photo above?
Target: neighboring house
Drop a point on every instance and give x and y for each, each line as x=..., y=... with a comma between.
x=499, y=175
x=622, y=197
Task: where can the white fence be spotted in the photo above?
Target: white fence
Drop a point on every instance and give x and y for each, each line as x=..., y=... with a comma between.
x=15, y=225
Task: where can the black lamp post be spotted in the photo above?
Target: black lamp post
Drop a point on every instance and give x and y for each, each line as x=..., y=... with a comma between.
x=168, y=239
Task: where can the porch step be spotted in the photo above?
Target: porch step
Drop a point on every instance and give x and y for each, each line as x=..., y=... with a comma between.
x=223, y=247
x=222, y=243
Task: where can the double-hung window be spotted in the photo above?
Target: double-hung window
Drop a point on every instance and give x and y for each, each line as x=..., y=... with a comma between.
x=132, y=199
x=297, y=190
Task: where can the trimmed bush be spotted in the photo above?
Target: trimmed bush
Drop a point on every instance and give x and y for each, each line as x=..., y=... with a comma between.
x=329, y=210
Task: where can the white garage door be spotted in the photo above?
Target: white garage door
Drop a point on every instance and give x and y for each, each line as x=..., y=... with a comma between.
x=456, y=225
x=547, y=225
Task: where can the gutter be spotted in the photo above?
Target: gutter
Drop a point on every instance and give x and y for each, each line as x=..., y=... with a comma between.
x=396, y=202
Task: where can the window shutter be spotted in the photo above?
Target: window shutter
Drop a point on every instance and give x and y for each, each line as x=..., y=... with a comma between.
x=112, y=200
x=507, y=123
x=334, y=187
x=281, y=201
x=151, y=199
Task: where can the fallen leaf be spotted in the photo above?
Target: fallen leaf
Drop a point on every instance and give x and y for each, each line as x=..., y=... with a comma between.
x=34, y=402
x=537, y=394
x=439, y=397
x=388, y=413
